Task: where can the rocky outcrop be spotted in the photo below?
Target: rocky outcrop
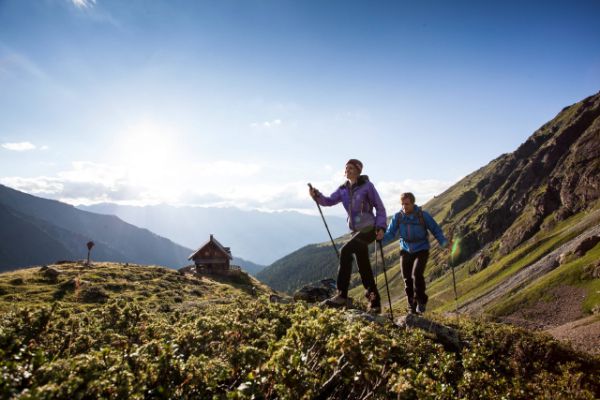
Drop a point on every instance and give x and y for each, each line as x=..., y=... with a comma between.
x=317, y=291
x=557, y=170
x=465, y=200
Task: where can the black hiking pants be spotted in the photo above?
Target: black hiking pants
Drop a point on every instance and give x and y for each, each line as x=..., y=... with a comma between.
x=359, y=246
x=413, y=267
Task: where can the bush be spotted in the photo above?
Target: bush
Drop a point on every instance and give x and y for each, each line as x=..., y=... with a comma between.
x=251, y=348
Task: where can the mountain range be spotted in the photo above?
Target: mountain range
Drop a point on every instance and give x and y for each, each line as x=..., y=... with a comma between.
x=37, y=231
x=262, y=237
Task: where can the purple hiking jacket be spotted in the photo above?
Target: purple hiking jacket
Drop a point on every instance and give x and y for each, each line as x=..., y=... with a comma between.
x=359, y=201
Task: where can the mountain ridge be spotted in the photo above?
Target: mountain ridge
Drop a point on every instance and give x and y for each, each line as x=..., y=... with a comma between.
x=115, y=239
x=254, y=235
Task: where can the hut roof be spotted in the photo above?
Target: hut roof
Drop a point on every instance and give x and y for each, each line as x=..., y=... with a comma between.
x=225, y=250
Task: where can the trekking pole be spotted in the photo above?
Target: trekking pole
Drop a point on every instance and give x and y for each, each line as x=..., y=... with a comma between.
x=387, y=286
x=326, y=227
x=376, y=265
x=451, y=262
x=455, y=292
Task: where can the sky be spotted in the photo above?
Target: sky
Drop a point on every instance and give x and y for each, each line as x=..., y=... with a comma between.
x=242, y=103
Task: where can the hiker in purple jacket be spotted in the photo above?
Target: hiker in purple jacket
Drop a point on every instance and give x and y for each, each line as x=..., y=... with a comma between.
x=359, y=197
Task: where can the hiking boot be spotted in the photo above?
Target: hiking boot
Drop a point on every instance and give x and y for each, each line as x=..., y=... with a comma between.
x=421, y=308
x=412, y=307
x=338, y=301
x=374, y=308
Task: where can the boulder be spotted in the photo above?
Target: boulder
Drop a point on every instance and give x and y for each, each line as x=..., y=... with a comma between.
x=316, y=292
x=447, y=336
x=586, y=245
x=51, y=274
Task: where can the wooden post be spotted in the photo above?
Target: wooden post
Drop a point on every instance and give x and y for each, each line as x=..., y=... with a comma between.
x=90, y=244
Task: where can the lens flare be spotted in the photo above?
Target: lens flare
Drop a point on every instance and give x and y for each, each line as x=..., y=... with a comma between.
x=455, y=248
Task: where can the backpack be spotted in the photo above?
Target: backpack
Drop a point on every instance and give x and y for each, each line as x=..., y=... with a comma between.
x=420, y=217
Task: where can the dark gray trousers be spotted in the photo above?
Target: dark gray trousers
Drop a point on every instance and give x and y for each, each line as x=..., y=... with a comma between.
x=413, y=267
x=358, y=245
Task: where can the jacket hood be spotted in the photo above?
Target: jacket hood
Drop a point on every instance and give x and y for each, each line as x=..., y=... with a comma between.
x=362, y=179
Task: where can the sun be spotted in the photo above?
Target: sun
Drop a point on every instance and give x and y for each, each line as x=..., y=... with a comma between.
x=149, y=153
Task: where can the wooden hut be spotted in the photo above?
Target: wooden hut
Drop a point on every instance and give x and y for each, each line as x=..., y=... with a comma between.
x=212, y=257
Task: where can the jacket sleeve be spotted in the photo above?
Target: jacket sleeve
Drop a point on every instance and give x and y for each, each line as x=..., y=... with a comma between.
x=435, y=229
x=380, y=216
x=325, y=201
x=391, y=230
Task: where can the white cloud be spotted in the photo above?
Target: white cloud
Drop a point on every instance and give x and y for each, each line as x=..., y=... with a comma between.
x=87, y=182
x=266, y=124
x=225, y=168
x=423, y=189
x=222, y=183
x=84, y=3
x=41, y=185
x=19, y=146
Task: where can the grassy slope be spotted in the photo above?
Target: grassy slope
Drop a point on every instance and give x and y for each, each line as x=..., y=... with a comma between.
x=472, y=286
x=157, y=334
x=151, y=287
x=571, y=273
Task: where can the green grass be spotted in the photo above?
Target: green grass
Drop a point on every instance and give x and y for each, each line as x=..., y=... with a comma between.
x=571, y=273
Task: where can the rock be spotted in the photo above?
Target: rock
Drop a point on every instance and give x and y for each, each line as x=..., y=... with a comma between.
x=465, y=200
x=446, y=335
x=483, y=260
x=563, y=258
x=586, y=245
x=274, y=298
x=579, y=250
x=316, y=292
x=189, y=269
x=591, y=271
x=51, y=274
x=16, y=281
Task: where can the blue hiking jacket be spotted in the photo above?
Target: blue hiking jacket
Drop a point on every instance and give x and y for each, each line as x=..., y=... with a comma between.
x=413, y=235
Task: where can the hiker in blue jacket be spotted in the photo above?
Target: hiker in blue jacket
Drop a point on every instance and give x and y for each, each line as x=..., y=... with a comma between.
x=413, y=224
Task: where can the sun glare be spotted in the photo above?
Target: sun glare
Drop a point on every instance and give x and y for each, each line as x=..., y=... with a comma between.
x=149, y=153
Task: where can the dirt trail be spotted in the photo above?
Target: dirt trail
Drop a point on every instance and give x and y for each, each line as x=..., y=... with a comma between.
x=583, y=334
x=526, y=275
